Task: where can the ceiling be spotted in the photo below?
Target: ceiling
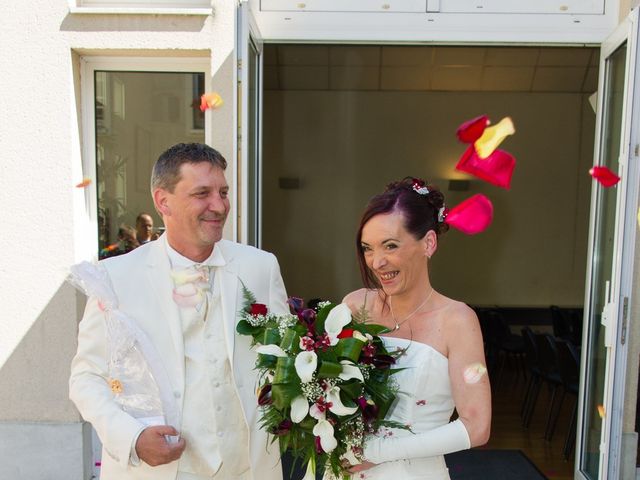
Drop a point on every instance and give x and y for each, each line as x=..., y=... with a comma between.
x=431, y=68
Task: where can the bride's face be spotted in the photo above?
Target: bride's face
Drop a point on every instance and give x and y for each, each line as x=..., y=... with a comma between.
x=397, y=259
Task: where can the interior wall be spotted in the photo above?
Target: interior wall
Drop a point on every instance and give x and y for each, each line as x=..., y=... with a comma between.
x=343, y=147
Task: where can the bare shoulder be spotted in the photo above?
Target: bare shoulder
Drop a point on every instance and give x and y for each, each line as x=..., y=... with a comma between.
x=355, y=299
x=461, y=316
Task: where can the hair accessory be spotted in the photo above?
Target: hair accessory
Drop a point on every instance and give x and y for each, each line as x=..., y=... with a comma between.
x=420, y=187
x=442, y=213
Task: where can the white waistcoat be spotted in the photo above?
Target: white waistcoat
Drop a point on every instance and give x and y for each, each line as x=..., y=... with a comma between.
x=213, y=425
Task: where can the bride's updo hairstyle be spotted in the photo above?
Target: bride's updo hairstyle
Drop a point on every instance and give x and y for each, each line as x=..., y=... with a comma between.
x=421, y=205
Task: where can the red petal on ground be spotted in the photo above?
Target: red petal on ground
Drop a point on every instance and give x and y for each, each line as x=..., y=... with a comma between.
x=472, y=130
x=604, y=176
x=471, y=216
x=497, y=168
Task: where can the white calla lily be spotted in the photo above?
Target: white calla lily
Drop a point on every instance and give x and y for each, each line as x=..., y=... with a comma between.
x=310, y=474
x=337, y=406
x=338, y=318
x=349, y=371
x=359, y=336
x=299, y=408
x=324, y=430
x=271, y=349
x=306, y=363
x=316, y=413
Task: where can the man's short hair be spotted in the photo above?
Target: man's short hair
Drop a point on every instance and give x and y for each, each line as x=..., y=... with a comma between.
x=166, y=170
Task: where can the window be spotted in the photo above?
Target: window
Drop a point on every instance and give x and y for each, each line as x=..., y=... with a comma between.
x=136, y=115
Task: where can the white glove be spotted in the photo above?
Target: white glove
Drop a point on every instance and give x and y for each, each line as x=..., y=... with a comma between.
x=448, y=438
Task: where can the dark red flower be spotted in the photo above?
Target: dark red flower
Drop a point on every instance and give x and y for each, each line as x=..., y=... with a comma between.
x=319, y=449
x=383, y=361
x=369, y=410
x=283, y=428
x=258, y=309
x=295, y=304
x=473, y=129
x=369, y=350
x=264, y=396
x=323, y=342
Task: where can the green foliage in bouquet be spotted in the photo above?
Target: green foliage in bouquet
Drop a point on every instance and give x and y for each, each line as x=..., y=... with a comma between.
x=325, y=380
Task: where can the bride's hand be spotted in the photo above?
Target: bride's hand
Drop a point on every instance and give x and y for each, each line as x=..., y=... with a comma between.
x=360, y=467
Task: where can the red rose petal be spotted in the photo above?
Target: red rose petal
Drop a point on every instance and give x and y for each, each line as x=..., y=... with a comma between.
x=346, y=333
x=497, y=168
x=472, y=130
x=471, y=216
x=604, y=176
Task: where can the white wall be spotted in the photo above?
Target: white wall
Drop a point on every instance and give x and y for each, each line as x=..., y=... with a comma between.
x=345, y=146
x=45, y=226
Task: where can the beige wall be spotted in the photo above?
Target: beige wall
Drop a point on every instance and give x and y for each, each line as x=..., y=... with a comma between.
x=46, y=226
x=345, y=146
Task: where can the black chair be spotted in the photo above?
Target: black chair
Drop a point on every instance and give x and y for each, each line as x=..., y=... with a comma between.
x=549, y=374
x=568, y=361
x=508, y=345
x=532, y=364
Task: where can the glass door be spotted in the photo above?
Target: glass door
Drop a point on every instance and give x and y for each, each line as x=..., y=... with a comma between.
x=601, y=379
x=249, y=127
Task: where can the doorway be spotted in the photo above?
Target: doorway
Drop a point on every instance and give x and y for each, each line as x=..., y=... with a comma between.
x=340, y=122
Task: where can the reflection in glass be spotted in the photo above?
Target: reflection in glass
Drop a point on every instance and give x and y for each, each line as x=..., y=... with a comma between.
x=138, y=115
x=602, y=261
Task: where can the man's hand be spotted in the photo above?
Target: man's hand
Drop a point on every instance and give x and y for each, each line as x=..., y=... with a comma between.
x=153, y=448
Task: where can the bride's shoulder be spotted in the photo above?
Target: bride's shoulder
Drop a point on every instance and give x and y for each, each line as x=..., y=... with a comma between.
x=460, y=315
x=357, y=298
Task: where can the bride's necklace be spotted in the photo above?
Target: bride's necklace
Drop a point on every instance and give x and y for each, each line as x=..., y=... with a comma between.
x=399, y=323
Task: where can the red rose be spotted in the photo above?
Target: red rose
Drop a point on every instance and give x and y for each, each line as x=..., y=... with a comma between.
x=258, y=309
x=346, y=333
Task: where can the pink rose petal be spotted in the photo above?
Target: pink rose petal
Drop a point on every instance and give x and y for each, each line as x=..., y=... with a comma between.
x=471, y=216
x=497, y=168
x=473, y=129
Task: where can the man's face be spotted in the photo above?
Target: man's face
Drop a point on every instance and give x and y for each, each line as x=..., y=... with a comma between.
x=144, y=227
x=194, y=214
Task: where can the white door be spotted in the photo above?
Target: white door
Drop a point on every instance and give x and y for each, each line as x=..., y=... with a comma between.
x=249, y=48
x=611, y=250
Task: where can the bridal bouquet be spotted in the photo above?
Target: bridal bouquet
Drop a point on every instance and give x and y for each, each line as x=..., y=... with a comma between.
x=324, y=380
x=136, y=376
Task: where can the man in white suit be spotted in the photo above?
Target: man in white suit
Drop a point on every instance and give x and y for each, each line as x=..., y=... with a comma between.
x=210, y=368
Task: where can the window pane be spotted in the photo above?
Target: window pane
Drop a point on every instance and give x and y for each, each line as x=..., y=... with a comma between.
x=138, y=116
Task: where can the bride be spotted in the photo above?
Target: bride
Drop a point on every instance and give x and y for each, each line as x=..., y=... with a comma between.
x=440, y=337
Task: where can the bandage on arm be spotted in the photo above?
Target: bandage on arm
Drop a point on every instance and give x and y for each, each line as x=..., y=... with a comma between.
x=448, y=438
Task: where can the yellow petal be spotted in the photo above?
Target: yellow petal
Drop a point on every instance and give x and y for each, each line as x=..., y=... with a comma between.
x=493, y=137
x=601, y=411
x=474, y=373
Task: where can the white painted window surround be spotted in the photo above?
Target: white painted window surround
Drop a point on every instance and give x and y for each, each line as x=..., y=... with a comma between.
x=171, y=7
x=439, y=6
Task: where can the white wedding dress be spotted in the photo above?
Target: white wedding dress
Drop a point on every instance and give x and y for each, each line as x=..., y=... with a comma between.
x=424, y=402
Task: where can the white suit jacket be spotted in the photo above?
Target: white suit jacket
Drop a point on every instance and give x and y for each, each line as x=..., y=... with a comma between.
x=142, y=282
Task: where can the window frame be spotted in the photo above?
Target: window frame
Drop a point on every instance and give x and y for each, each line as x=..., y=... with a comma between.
x=88, y=66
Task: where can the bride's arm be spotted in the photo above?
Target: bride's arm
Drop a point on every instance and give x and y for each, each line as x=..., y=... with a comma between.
x=472, y=398
x=467, y=371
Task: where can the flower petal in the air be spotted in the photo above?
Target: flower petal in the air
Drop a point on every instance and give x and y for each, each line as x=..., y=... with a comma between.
x=604, y=176
x=471, y=130
x=472, y=215
x=493, y=137
x=497, y=168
